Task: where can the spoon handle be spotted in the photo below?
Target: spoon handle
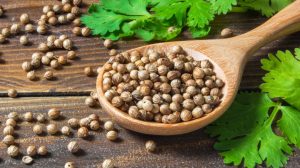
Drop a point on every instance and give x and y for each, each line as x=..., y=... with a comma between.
x=286, y=22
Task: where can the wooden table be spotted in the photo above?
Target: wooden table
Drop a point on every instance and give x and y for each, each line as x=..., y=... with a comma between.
x=71, y=87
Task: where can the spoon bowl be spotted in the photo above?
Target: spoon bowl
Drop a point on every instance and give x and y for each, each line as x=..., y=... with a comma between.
x=228, y=57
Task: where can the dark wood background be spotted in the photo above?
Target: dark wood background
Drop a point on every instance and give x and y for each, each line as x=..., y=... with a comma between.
x=72, y=86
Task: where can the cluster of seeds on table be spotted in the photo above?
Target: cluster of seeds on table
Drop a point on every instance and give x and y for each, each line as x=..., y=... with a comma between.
x=166, y=87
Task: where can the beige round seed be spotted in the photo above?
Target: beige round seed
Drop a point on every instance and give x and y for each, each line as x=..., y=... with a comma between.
x=150, y=146
x=24, y=18
x=29, y=28
x=24, y=40
x=71, y=55
x=76, y=31
x=43, y=47
x=112, y=135
x=2, y=39
x=52, y=129
x=26, y=66
x=73, y=122
x=48, y=75
x=70, y=17
x=31, y=150
x=77, y=2
x=108, y=163
x=42, y=150
x=13, y=115
x=89, y=101
x=5, y=32
x=12, y=93
x=46, y=9
x=45, y=60
x=227, y=32
x=37, y=129
x=54, y=64
x=108, y=43
x=13, y=151
x=31, y=75
x=73, y=147
x=77, y=22
x=27, y=160
x=28, y=116
x=57, y=8
x=82, y=132
x=8, y=140
x=65, y=130
x=67, y=44
x=62, y=60
x=41, y=29
x=84, y=122
x=85, y=31
x=67, y=8
x=88, y=71
x=70, y=165
x=15, y=29
x=109, y=126
x=62, y=19
x=40, y=118
x=10, y=122
x=94, y=125
x=53, y=20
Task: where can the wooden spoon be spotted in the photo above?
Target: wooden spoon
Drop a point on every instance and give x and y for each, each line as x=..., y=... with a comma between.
x=228, y=57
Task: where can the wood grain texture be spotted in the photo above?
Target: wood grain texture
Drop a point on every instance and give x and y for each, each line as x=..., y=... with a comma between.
x=92, y=53
x=189, y=150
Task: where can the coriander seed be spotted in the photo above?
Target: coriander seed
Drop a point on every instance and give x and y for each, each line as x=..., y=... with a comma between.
x=108, y=163
x=52, y=129
x=58, y=43
x=75, y=10
x=41, y=29
x=67, y=44
x=48, y=75
x=85, y=31
x=50, y=14
x=46, y=9
x=73, y=147
x=13, y=115
x=54, y=64
x=113, y=52
x=8, y=140
x=63, y=37
x=28, y=116
x=227, y=32
x=27, y=160
x=31, y=150
x=206, y=108
x=12, y=93
x=36, y=63
x=42, y=150
x=197, y=112
x=84, y=122
x=70, y=165
x=65, y=2
x=57, y=8
x=43, y=47
x=108, y=43
x=29, y=28
x=77, y=22
x=90, y=102
x=67, y=8
x=73, y=122
x=77, y=2
x=53, y=20
x=109, y=126
x=112, y=135
x=15, y=29
x=71, y=55
x=45, y=60
x=76, y=31
x=82, y=132
x=10, y=122
x=37, y=129
x=24, y=18
x=2, y=39
x=13, y=151
x=40, y=118
x=5, y=31
x=54, y=113
x=62, y=19
x=42, y=22
x=62, y=60
x=94, y=125
x=70, y=17
x=150, y=146
x=65, y=130
x=88, y=71
x=24, y=40
x=94, y=117
x=31, y=75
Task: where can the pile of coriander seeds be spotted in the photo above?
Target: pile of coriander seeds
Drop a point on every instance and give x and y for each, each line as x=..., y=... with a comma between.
x=165, y=87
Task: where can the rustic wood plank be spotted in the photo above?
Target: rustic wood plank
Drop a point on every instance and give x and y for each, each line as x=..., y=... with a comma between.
x=190, y=150
x=92, y=53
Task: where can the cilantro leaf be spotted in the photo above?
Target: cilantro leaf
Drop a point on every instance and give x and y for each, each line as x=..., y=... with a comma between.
x=245, y=133
x=289, y=124
x=283, y=77
x=127, y=7
x=223, y=7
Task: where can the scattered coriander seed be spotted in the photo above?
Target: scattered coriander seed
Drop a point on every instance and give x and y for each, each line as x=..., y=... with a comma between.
x=2, y=39
x=85, y=31
x=108, y=163
x=65, y=2
x=65, y=130
x=82, y=132
x=45, y=60
x=37, y=129
x=94, y=117
x=12, y=93
x=24, y=18
x=13, y=151
x=36, y=63
x=62, y=60
x=76, y=31
x=50, y=55
x=70, y=17
x=13, y=115
x=94, y=125
x=62, y=19
x=108, y=43
x=63, y=37
x=54, y=64
x=5, y=32
x=28, y=116
x=111, y=135
x=77, y=2
x=150, y=146
x=54, y=113
x=8, y=130
x=52, y=129
x=77, y=22
x=29, y=28
x=26, y=66
x=24, y=40
x=31, y=75
x=58, y=43
x=227, y=32
x=42, y=150
x=70, y=165
x=109, y=126
x=75, y=10
x=43, y=18
x=88, y=71
x=84, y=122
x=53, y=20
x=57, y=8
x=15, y=29
x=10, y=122
x=112, y=52
x=27, y=160
x=67, y=8
x=40, y=118
x=46, y=9
x=31, y=150
x=8, y=140
x=36, y=56
x=50, y=14
x=73, y=147
x=41, y=29
x=43, y=47
x=73, y=122
x=67, y=44
x=71, y=55
x=48, y=75
x=42, y=22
